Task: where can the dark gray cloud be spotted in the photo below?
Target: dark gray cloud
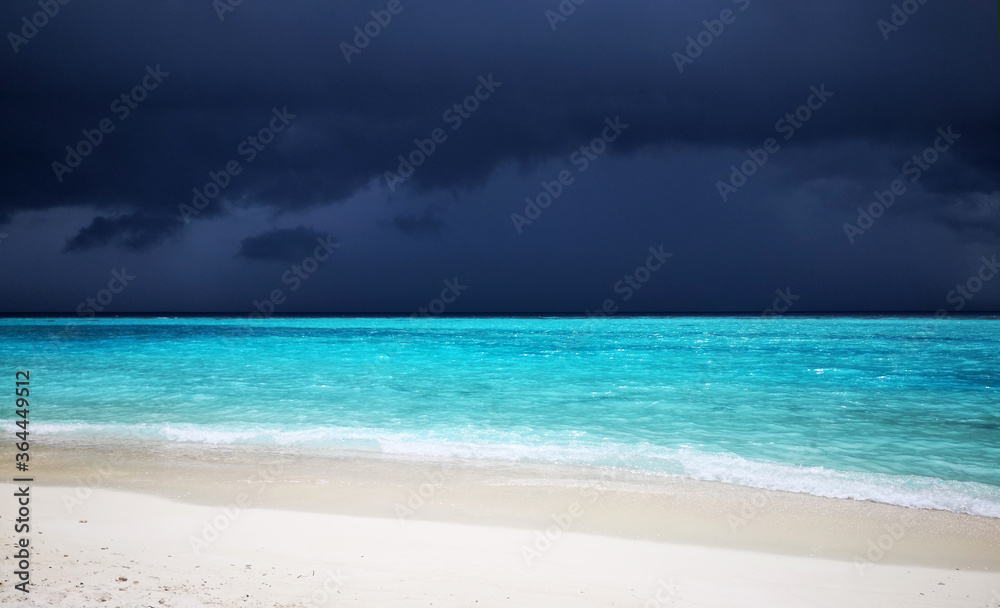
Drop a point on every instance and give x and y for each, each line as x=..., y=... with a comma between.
x=135, y=231
x=260, y=113
x=354, y=119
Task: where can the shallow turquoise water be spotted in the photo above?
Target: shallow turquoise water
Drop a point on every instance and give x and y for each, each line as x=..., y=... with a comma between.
x=900, y=410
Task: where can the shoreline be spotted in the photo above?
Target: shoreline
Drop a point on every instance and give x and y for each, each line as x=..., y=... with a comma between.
x=187, y=526
x=613, y=503
x=912, y=489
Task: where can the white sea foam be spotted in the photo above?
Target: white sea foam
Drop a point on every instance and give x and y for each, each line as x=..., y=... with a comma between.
x=903, y=490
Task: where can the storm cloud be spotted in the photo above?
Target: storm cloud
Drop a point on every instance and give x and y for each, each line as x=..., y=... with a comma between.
x=160, y=118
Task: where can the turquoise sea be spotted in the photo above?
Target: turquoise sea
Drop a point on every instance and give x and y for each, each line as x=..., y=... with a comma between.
x=899, y=410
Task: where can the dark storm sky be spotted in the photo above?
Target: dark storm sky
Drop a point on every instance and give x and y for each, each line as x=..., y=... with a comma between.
x=206, y=83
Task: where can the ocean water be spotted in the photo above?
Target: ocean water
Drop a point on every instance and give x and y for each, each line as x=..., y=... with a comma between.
x=898, y=410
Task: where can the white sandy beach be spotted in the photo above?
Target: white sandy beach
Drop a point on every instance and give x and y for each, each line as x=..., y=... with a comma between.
x=470, y=542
